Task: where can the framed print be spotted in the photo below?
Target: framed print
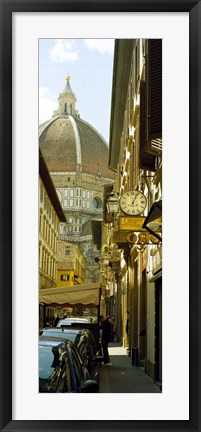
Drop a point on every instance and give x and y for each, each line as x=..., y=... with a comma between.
x=23, y=26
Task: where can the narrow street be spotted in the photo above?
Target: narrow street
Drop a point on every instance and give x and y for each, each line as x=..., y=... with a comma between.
x=100, y=215
x=122, y=377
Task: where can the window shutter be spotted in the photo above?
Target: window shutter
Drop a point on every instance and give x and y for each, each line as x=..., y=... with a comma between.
x=146, y=160
x=154, y=96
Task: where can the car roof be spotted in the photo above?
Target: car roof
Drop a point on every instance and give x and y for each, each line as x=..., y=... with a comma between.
x=77, y=318
x=46, y=342
x=54, y=341
x=73, y=320
x=67, y=329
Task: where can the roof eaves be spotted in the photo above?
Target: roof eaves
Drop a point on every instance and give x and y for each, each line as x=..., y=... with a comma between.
x=121, y=71
x=49, y=185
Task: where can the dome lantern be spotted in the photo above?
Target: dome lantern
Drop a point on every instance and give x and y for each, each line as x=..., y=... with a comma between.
x=67, y=100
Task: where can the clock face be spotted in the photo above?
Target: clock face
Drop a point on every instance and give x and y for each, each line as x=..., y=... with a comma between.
x=133, y=202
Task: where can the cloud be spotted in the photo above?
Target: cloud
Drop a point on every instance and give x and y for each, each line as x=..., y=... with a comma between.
x=47, y=104
x=104, y=46
x=63, y=51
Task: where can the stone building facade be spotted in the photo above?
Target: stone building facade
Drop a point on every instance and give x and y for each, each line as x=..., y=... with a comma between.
x=50, y=216
x=135, y=154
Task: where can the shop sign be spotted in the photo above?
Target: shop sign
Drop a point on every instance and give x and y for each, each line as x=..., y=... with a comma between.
x=137, y=238
x=129, y=223
x=142, y=238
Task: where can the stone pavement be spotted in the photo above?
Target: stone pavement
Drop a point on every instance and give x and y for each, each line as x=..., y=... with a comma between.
x=122, y=377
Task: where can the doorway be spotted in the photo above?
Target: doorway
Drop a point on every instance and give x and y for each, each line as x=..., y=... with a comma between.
x=158, y=330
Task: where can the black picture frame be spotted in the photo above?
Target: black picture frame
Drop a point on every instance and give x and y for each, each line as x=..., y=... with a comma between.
x=6, y=9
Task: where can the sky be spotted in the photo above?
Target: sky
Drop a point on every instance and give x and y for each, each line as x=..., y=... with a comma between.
x=89, y=62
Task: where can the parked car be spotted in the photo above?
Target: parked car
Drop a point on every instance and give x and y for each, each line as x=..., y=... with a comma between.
x=72, y=320
x=61, y=369
x=85, y=343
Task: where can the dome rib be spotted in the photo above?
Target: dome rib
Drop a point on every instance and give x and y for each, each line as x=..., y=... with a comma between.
x=77, y=140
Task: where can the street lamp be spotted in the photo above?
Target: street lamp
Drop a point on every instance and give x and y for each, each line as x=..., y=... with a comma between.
x=112, y=204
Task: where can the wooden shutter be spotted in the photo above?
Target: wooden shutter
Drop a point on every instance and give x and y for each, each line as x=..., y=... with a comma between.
x=154, y=95
x=146, y=160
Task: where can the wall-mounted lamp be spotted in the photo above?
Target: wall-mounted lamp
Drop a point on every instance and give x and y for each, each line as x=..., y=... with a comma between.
x=112, y=204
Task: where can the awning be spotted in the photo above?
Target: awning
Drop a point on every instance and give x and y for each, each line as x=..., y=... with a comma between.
x=87, y=295
x=155, y=212
x=153, y=221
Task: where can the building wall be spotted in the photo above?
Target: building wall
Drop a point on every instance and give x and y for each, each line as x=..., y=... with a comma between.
x=48, y=238
x=65, y=278
x=71, y=264
x=139, y=167
x=80, y=200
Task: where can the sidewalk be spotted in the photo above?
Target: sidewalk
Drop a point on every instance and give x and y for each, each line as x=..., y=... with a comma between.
x=122, y=377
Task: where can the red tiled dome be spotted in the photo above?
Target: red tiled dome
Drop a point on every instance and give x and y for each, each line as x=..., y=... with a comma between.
x=68, y=140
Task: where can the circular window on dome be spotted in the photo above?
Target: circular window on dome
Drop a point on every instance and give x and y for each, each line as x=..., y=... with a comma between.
x=97, y=202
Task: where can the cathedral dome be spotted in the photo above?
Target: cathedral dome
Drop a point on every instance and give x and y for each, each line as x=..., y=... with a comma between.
x=68, y=142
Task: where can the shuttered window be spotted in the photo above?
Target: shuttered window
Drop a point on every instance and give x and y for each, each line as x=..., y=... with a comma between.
x=154, y=94
x=151, y=107
x=146, y=160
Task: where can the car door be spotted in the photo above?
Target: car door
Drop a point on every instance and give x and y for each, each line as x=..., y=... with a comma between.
x=94, y=365
x=78, y=370
x=85, y=352
x=65, y=382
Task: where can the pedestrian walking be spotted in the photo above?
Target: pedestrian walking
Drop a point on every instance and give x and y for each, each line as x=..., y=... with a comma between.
x=106, y=338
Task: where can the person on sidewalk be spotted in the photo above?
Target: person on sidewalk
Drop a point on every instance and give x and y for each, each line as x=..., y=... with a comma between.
x=106, y=337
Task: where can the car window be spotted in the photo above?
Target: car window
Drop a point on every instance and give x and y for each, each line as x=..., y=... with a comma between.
x=49, y=368
x=77, y=339
x=48, y=360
